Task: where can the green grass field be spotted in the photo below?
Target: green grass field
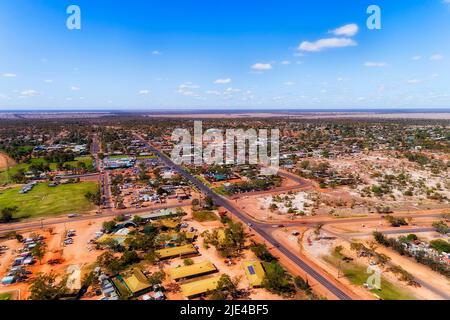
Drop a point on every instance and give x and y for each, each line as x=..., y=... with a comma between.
x=145, y=157
x=5, y=175
x=5, y=296
x=204, y=215
x=357, y=275
x=220, y=191
x=47, y=201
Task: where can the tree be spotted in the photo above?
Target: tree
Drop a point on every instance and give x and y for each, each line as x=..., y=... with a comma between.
x=195, y=202
x=89, y=279
x=151, y=256
x=138, y=220
x=112, y=244
x=396, y=221
x=39, y=251
x=157, y=278
x=120, y=218
x=46, y=287
x=225, y=287
x=209, y=203
x=303, y=285
x=109, y=226
x=111, y=263
x=380, y=238
x=317, y=228
x=188, y=262
x=141, y=242
x=276, y=279
x=261, y=251
x=338, y=250
x=19, y=237
x=19, y=177
x=129, y=257
x=441, y=227
x=234, y=238
x=7, y=214
x=95, y=198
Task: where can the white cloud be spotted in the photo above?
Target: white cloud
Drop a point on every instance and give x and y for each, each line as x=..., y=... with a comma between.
x=413, y=81
x=417, y=58
x=29, y=93
x=285, y=62
x=231, y=90
x=349, y=30
x=327, y=43
x=186, y=89
x=48, y=81
x=144, y=92
x=261, y=66
x=289, y=83
x=9, y=75
x=74, y=88
x=213, y=92
x=156, y=53
x=372, y=64
x=223, y=81
x=436, y=57
x=188, y=85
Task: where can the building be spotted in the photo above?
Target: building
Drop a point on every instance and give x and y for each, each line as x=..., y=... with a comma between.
x=117, y=163
x=197, y=288
x=254, y=272
x=137, y=283
x=164, y=213
x=133, y=285
x=182, y=251
x=192, y=271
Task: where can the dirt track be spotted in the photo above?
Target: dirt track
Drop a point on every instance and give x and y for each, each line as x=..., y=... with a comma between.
x=5, y=161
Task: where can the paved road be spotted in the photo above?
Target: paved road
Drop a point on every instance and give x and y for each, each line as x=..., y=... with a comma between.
x=258, y=227
x=302, y=182
x=104, y=175
x=35, y=224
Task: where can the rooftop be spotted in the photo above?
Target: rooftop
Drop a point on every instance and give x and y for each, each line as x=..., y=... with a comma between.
x=192, y=270
x=254, y=272
x=137, y=282
x=199, y=287
x=176, y=251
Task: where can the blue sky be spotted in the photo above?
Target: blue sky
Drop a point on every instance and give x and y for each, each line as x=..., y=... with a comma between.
x=193, y=54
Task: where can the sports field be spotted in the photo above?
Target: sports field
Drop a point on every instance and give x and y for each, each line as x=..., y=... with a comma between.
x=47, y=201
x=5, y=176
